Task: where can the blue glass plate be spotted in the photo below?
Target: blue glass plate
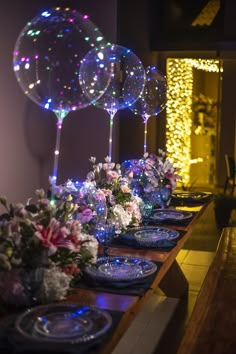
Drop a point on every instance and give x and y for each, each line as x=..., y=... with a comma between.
x=120, y=268
x=151, y=236
x=162, y=215
x=63, y=323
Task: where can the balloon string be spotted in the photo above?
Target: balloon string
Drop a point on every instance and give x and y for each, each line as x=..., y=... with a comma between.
x=111, y=113
x=56, y=152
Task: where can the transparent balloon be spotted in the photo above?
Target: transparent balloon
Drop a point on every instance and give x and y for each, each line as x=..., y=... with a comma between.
x=153, y=98
x=47, y=56
x=95, y=73
x=125, y=84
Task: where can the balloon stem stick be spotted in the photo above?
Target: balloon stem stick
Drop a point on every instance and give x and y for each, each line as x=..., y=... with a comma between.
x=145, y=136
x=111, y=113
x=56, y=152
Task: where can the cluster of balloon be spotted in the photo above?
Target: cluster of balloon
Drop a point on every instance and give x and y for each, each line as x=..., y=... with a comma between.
x=153, y=98
x=125, y=83
x=46, y=62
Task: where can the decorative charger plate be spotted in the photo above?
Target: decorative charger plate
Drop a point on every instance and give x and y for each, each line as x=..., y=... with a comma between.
x=152, y=236
x=161, y=215
x=63, y=323
x=121, y=268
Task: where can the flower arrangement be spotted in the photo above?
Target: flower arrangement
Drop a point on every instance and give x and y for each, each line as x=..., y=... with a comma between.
x=44, y=248
x=151, y=172
x=122, y=207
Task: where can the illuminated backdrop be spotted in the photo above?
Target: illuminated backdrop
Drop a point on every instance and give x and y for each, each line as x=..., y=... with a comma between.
x=179, y=108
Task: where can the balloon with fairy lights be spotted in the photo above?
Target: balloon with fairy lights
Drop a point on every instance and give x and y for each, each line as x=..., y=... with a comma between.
x=153, y=98
x=125, y=84
x=46, y=62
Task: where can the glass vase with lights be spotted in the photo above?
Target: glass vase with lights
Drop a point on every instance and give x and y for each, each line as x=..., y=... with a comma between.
x=153, y=178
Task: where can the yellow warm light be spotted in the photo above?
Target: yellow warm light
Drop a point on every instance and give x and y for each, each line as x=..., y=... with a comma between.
x=207, y=14
x=179, y=109
x=197, y=160
x=209, y=65
x=178, y=114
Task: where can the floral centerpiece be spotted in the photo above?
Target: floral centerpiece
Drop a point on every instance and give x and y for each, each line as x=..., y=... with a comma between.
x=122, y=206
x=43, y=249
x=151, y=173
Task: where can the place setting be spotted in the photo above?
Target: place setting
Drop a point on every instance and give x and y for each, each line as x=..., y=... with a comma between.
x=67, y=328
x=117, y=274
x=150, y=237
x=170, y=216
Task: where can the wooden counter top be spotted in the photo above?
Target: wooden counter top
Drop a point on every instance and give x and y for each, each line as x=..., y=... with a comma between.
x=211, y=327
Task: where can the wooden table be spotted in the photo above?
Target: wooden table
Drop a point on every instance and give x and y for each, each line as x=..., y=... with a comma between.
x=170, y=279
x=211, y=327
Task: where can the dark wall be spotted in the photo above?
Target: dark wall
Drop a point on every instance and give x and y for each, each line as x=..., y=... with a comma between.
x=134, y=33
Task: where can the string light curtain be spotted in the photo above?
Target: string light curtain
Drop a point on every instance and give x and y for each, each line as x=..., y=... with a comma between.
x=179, y=109
x=178, y=114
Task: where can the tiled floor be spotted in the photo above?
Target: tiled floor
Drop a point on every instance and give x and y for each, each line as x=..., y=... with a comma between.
x=160, y=324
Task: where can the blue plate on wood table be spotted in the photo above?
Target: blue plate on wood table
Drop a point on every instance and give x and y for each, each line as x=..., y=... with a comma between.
x=120, y=268
x=63, y=324
x=152, y=236
x=169, y=215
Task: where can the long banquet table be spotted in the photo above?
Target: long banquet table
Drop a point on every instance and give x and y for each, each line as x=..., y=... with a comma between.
x=169, y=278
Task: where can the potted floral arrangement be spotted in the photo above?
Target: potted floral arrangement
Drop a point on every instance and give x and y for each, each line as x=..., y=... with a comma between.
x=43, y=250
x=152, y=175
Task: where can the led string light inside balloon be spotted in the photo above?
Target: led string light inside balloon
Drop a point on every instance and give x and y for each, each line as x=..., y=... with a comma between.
x=152, y=99
x=46, y=62
x=124, y=85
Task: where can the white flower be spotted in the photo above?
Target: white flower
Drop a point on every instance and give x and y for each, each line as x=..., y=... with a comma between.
x=133, y=209
x=40, y=193
x=54, y=286
x=90, y=176
x=122, y=217
x=108, y=159
x=91, y=245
